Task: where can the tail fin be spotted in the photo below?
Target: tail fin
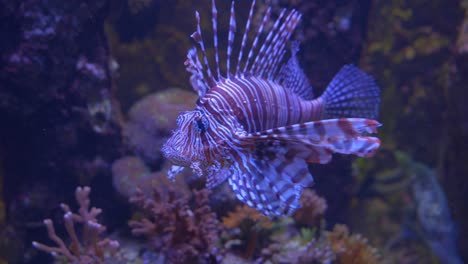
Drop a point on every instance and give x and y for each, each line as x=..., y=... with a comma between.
x=351, y=93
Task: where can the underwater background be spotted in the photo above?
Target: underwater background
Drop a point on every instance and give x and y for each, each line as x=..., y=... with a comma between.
x=90, y=90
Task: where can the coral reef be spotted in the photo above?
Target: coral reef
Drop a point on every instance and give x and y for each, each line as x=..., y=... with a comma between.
x=67, y=68
x=336, y=246
x=91, y=248
x=151, y=121
x=131, y=175
x=245, y=213
x=182, y=231
x=128, y=174
x=351, y=248
x=248, y=231
x=314, y=251
x=312, y=209
x=254, y=230
x=58, y=107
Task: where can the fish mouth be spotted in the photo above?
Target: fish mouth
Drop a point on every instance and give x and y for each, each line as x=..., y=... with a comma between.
x=174, y=156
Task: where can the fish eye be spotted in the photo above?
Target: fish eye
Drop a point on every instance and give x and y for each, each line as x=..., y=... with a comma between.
x=200, y=125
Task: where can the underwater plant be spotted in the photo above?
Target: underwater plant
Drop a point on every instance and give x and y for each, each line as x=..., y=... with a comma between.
x=87, y=248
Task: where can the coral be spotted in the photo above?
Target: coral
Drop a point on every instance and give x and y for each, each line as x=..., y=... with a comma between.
x=255, y=228
x=336, y=246
x=351, y=248
x=243, y=213
x=183, y=230
x=152, y=120
x=130, y=173
x=57, y=99
x=247, y=229
x=234, y=259
x=312, y=209
x=91, y=248
x=315, y=251
x=289, y=246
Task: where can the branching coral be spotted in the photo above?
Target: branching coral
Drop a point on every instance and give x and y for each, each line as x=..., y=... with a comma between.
x=91, y=248
x=185, y=230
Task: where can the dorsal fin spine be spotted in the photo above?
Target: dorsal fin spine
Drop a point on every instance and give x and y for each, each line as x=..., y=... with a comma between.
x=265, y=55
x=244, y=38
x=266, y=65
x=278, y=47
x=197, y=36
x=257, y=36
x=272, y=69
x=277, y=41
x=232, y=31
x=214, y=21
x=278, y=56
x=260, y=58
x=194, y=66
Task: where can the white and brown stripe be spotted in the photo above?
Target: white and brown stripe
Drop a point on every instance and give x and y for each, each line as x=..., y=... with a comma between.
x=259, y=104
x=258, y=123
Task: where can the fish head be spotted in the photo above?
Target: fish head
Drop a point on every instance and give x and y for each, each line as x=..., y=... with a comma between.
x=185, y=147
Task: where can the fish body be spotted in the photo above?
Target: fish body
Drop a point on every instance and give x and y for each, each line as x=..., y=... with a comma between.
x=258, y=126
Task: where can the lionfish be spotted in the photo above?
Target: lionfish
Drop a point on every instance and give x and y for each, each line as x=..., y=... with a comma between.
x=258, y=125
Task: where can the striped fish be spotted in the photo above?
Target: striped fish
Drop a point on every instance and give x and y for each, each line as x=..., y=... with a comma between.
x=257, y=125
